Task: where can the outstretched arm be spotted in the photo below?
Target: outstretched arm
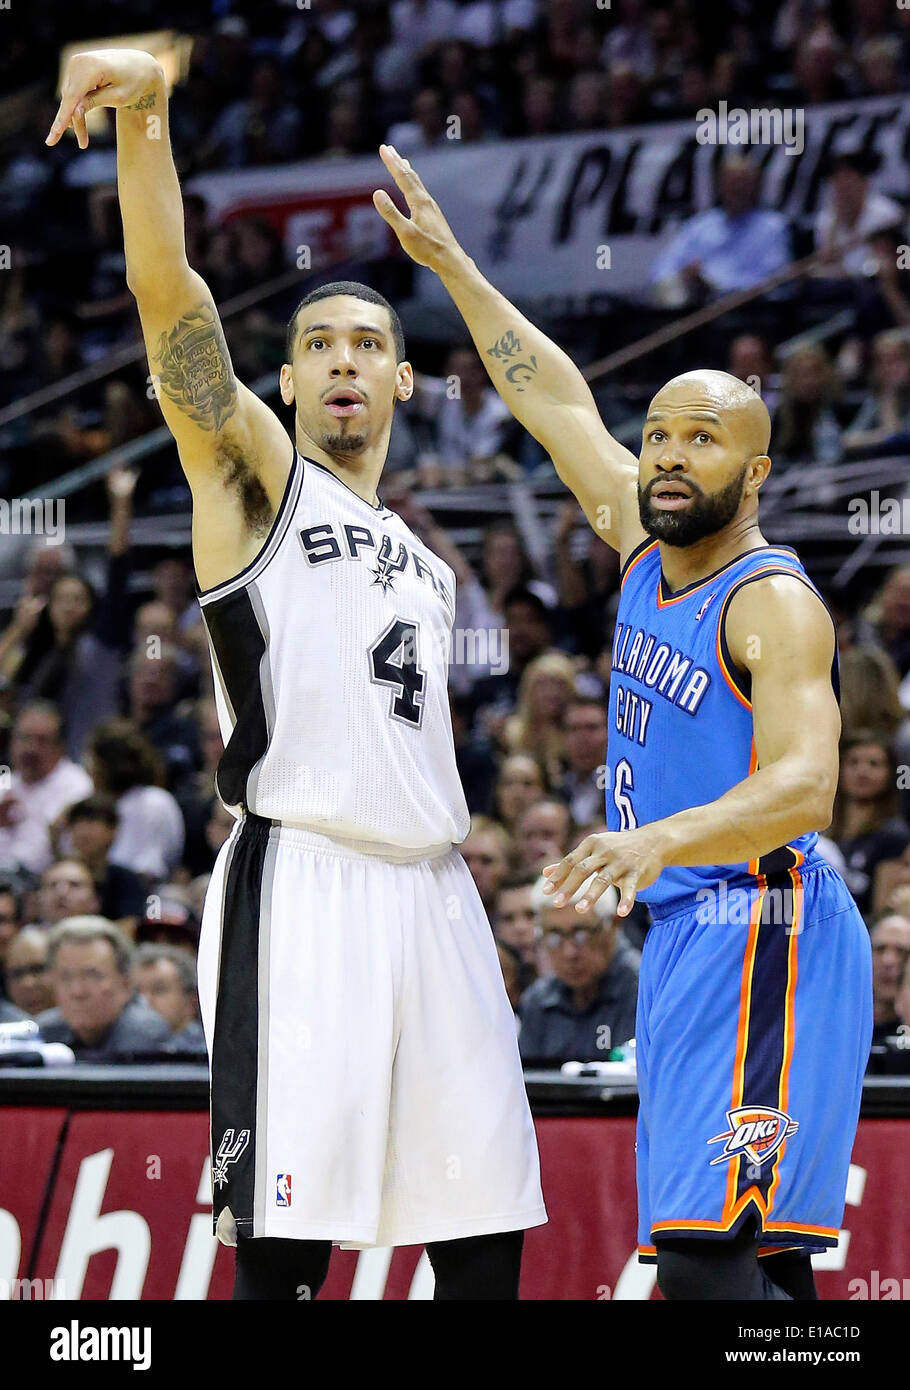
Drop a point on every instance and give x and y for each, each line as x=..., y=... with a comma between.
x=202, y=402
x=539, y=383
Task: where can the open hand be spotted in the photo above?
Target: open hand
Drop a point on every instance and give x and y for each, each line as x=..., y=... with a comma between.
x=425, y=235
x=630, y=859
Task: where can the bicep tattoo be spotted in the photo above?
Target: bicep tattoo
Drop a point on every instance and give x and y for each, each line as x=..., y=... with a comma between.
x=195, y=369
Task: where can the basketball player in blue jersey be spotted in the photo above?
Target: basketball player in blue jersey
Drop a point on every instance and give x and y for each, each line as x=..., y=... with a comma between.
x=755, y=1001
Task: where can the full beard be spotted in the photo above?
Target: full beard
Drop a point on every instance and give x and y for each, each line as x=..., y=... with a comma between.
x=705, y=517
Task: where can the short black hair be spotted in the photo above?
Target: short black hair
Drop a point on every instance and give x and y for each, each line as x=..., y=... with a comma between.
x=357, y=291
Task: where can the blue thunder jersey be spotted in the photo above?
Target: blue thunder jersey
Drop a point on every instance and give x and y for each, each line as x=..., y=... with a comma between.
x=680, y=723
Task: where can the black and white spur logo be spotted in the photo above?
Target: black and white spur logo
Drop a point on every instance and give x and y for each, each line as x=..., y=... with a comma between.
x=388, y=569
x=229, y=1150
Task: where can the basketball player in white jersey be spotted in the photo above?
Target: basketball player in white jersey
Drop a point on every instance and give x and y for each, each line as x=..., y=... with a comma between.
x=366, y=1083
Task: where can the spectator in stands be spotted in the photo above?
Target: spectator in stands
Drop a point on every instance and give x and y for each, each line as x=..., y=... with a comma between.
x=890, y=954
x=43, y=782
x=195, y=796
x=731, y=247
x=426, y=130
x=10, y=922
x=817, y=78
x=751, y=360
x=891, y=890
x=585, y=749
x=153, y=691
x=471, y=421
x=514, y=921
x=44, y=565
x=870, y=697
x=67, y=890
x=172, y=584
x=879, y=65
x=262, y=128
x=70, y=653
x=155, y=631
x=539, y=106
x=537, y=727
x=150, y=833
x=28, y=979
x=631, y=41
x=92, y=828
x=885, y=412
x=882, y=296
x=343, y=134
x=866, y=826
x=519, y=784
x=486, y=851
x=889, y=615
x=98, y=1013
x=808, y=425
x=510, y=965
x=626, y=102
x=587, y=1005
x=852, y=213
x=165, y=976
x=529, y=629
x=586, y=583
x=587, y=102
x=543, y=834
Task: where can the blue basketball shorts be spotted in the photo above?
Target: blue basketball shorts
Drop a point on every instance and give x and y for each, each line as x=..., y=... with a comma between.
x=753, y=1033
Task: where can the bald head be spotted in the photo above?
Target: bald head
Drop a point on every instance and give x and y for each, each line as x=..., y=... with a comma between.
x=740, y=409
x=704, y=457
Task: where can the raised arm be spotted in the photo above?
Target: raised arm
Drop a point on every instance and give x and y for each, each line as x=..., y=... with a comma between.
x=539, y=383
x=227, y=438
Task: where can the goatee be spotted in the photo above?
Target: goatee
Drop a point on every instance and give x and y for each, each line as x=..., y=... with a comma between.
x=343, y=443
x=705, y=517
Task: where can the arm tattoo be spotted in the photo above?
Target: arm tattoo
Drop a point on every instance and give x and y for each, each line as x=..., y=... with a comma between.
x=196, y=372
x=143, y=103
x=520, y=372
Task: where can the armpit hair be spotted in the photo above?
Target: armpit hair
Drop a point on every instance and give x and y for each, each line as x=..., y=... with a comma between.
x=238, y=475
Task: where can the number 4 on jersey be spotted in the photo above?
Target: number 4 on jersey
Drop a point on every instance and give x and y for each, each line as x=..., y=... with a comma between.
x=623, y=783
x=393, y=662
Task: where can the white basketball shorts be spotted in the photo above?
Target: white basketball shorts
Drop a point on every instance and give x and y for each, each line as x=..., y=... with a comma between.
x=366, y=1082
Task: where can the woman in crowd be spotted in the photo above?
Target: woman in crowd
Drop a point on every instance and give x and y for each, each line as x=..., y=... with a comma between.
x=520, y=784
x=536, y=727
x=150, y=831
x=866, y=826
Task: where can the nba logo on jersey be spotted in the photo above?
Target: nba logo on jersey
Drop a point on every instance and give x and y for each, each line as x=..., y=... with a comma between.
x=705, y=606
x=283, y=1190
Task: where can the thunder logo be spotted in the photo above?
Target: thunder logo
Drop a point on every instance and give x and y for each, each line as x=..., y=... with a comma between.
x=756, y=1131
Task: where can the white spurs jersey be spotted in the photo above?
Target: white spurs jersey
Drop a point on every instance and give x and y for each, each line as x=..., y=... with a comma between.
x=330, y=654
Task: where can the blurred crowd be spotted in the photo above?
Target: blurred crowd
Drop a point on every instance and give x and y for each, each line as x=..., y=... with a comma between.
x=109, y=735
x=109, y=823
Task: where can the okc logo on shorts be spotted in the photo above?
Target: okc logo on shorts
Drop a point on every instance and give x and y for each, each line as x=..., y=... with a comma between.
x=283, y=1190
x=756, y=1131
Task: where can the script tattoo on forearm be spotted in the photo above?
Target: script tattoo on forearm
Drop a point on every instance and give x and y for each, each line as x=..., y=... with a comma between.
x=145, y=101
x=507, y=349
x=196, y=372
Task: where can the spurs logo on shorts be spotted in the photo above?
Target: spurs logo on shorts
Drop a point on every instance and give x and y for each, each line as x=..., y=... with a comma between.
x=756, y=1131
x=229, y=1150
